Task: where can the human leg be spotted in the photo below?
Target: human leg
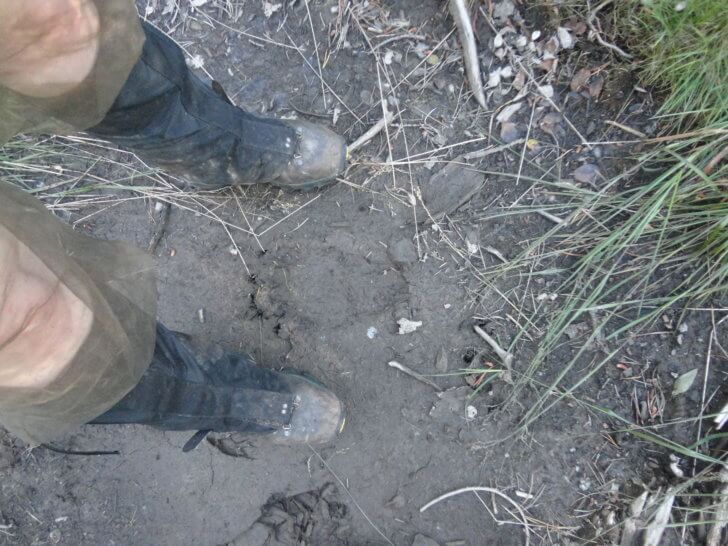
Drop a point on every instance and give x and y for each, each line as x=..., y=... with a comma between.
x=182, y=391
x=47, y=47
x=42, y=323
x=173, y=120
x=104, y=288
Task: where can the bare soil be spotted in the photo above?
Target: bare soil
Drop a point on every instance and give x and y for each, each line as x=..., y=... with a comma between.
x=331, y=273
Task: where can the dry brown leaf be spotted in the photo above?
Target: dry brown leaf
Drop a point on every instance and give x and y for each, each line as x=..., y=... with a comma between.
x=580, y=79
x=509, y=132
x=548, y=65
x=551, y=122
x=595, y=86
x=519, y=81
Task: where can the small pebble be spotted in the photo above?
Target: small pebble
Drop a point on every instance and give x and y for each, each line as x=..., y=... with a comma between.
x=586, y=174
x=509, y=132
x=372, y=332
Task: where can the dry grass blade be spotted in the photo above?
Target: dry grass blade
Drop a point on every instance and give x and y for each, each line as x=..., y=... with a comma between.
x=348, y=492
x=492, y=491
x=721, y=515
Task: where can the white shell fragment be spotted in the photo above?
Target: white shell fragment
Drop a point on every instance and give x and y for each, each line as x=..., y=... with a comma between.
x=565, y=38
x=546, y=90
x=407, y=326
x=269, y=8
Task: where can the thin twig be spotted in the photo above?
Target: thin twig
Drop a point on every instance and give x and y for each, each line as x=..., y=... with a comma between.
x=341, y=483
x=374, y=130
x=419, y=377
x=461, y=15
x=160, y=228
x=505, y=356
x=626, y=129
x=713, y=163
x=490, y=490
x=331, y=89
x=318, y=59
x=287, y=216
x=245, y=217
x=551, y=217
x=597, y=33
x=480, y=154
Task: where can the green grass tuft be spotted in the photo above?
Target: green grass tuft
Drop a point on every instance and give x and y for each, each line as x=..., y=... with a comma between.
x=685, y=54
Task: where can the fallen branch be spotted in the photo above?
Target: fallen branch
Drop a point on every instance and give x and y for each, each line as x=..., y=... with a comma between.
x=461, y=15
x=374, y=130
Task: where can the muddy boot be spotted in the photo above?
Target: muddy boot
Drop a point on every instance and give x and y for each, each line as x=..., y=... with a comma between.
x=172, y=120
x=179, y=391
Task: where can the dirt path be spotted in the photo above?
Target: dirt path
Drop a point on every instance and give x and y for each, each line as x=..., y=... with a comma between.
x=340, y=268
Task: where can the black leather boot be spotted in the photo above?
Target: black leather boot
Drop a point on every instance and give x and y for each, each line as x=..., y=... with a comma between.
x=230, y=394
x=172, y=120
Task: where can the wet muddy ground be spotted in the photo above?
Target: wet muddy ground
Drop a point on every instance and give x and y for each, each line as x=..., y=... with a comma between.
x=323, y=285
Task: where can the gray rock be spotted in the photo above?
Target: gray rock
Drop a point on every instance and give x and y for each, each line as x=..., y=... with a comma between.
x=402, y=252
x=449, y=189
x=509, y=132
x=503, y=10
x=441, y=363
x=422, y=540
x=586, y=174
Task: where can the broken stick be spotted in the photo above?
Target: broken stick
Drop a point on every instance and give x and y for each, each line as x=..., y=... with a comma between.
x=419, y=377
x=461, y=14
x=505, y=356
x=374, y=130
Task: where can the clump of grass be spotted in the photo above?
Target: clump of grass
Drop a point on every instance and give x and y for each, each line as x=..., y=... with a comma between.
x=655, y=238
x=651, y=240
x=684, y=47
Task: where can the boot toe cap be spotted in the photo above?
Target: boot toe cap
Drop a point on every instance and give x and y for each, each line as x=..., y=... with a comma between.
x=319, y=159
x=317, y=416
